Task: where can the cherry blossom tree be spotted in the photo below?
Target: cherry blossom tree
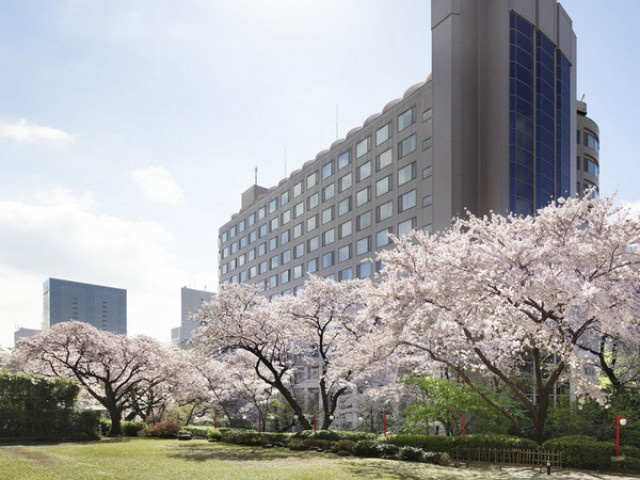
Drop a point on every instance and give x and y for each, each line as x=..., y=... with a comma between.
x=112, y=368
x=497, y=295
x=308, y=329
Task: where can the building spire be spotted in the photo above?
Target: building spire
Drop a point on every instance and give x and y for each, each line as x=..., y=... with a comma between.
x=256, y=175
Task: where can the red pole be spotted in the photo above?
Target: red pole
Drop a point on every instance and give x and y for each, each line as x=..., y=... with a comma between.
x=315, y=422
x=618, y=437
x=384, y=422
x=463, y=424
x=215, y=419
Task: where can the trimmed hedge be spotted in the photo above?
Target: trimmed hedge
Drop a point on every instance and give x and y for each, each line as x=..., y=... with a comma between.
x=336, y=435
x=214, y=435
x=197, y=431
x=131, y=429
x=430, y=443
x=580, y=451
x=59, y=425
x=438, y=443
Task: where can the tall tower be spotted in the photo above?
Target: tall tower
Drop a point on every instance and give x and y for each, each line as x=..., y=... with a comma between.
x=103, y=307
x=504, y=82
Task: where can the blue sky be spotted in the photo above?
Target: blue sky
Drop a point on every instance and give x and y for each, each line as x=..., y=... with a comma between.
x=129, y=129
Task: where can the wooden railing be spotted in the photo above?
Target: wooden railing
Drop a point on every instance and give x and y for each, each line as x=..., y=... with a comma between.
x=508, y=456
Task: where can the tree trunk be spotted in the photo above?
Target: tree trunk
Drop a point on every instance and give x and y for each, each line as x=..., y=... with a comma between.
x=115, y=414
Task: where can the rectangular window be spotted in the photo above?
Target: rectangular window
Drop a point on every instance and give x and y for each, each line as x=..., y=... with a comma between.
x=284, y=277
x=225, y=252
x=384, y=211
x=382, y=134
x=327, y=170
x=327, y=215
x=284, y=198
x=253, y=271
x=314, y=244
x=407, y=201
x=298, y=210
x=312, y=223
x=327, y=260
x=273, y=205
x=273, y=281
x=273, y=224
x=251, y=219
x=262, y=212
x=364, y=171
x=427, y=172
x=406, y=119
x=297, y=189
x=298, y=230
x=262, y=249
x=329, y=237
x=233, y=264
x=427, y=201
x=251, y=255
x=284, y=237
x=345, y=182
x=363, y=221
x=262, y=267
x=223, y=237
x=344, y=253
x=578, y=167
x=273, y=244
x=252, y=236
x=406, y=227
x=385, y=159
x=345, y=229
x=427, y=114
x=328, y=192
x=344, y=159
x=362, y=147
x=427, y=143
x=286, y=256
x=312, y=180
x=384, y=185
x=273, y=262
x=382, y=237
x=298, y=250
x=234, y=247
x=242, y=260
x=344, y=206
x=243, y=242
x=312, y=265
x=297, y=272
x=243, y=276
x=286, y=217
x=407, y=173
x=232, y=232
x=407, y=146
x=262, y=230
x=242, y=226
x=363, y=246
x=313, y=200
x=344, y=275
x=363, y=270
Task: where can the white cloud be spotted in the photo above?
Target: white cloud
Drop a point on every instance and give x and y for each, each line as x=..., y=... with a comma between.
x=24, y=132
x=63, y=235
x=157, y=184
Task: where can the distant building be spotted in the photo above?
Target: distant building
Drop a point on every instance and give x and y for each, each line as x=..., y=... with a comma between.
x=24, y=333
x=103, y=307
x=191, y=301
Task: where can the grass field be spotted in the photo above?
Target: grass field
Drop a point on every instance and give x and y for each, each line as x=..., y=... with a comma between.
x=151, y=459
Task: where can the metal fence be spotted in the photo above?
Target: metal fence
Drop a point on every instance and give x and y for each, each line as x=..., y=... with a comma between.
x=508, y=456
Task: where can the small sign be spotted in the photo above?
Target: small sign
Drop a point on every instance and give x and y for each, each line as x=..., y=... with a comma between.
x=618, y=459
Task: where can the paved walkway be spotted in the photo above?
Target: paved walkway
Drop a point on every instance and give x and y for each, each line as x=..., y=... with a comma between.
x=527, y=473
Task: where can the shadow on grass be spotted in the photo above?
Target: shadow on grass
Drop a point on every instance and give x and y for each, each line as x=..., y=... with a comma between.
x=358, y=467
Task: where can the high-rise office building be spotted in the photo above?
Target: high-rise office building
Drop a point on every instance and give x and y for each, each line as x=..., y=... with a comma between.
x=103, y=307
x=492, y=129
x=191, y=301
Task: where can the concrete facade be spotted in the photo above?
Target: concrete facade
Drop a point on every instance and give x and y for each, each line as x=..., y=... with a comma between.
x=191, y=301
x=103, y=307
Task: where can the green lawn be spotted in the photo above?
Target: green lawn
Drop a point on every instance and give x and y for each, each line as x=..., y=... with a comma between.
x=150, y=459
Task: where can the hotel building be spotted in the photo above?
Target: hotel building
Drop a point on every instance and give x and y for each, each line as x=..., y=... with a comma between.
x=492, y=128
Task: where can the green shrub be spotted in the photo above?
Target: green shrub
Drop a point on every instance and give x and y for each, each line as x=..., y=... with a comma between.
x=431, y=443
x=342, y=446
x=242, y=437
x=579, y=451
x=387, y=450
x=131, y=429
x=214, y=435
x=197, y=431
x=317, y=443
x=366, y=448
x=411, y=454
x=297, y=444
x=167, y=428
x=105, y=426
x=493, y=440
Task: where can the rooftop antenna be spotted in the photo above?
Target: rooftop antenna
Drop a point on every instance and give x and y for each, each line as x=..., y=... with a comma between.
x=582, y=98
x=256, y=175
